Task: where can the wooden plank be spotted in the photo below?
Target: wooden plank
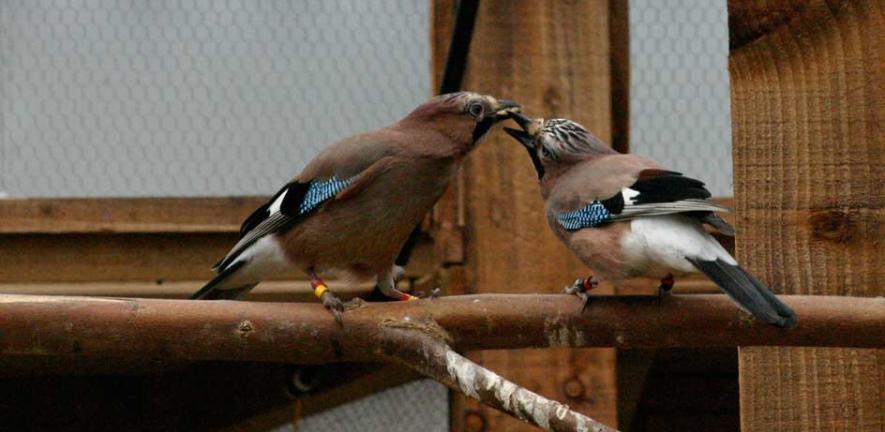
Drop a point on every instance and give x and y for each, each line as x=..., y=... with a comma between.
x=807, y=101
x=448, y=221
x=125, y=215
x=619, y=38
x=553, y=57
x=163, y=257
x=278, y=291
x=205, y=396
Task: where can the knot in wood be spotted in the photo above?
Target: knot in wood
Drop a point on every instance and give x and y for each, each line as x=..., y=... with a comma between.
x=474, y=421
x=834, y=226
x=573, y=388
x=245, y=327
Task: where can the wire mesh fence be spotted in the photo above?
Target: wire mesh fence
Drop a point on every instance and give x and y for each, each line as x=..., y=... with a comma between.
x=196, y=97
x=679, y=90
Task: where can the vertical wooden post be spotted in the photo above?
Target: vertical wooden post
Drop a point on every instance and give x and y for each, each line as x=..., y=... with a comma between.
x=808, y=88
x=554, y=58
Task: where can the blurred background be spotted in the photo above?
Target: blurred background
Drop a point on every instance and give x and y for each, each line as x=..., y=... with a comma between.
x=197, y=98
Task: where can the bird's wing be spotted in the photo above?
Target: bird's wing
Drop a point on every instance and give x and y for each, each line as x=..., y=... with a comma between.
x=634, y=192
x=322, y=181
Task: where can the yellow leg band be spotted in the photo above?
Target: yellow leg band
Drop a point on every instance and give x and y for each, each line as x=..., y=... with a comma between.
x=320, y=290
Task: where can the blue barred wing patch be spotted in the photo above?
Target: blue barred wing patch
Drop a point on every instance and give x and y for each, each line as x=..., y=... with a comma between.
x=587, y=217
x=320, y=191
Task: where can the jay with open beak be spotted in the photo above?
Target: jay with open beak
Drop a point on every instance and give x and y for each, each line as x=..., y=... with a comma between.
x=625, y=216
x=351, y=208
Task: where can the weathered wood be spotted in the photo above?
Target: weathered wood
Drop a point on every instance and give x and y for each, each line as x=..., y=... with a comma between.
x=280, y=291
x=137, y=257
x=683, y=389
x=201, y=397
x=807, y=101
x=619, y=39
x=553, y=57
x=306, y=333
x=125, y=215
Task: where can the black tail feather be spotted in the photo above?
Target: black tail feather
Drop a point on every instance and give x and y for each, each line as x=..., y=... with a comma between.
x=718, y=223
x=748, y=292
x=210, y=291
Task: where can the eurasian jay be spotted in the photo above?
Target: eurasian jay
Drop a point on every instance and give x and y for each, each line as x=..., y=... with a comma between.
x=353, y=206
x=624, y=216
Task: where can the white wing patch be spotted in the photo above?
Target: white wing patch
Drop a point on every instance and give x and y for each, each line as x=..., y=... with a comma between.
x=277, y=203
x=629, y=194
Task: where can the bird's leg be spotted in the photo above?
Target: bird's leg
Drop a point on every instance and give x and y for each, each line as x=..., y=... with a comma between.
x=321, y=290
x=387, y=285
x=581, y=287
x=666, y=285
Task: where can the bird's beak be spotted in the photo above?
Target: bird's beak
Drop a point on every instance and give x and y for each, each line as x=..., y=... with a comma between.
x=506, y=108
x=529, y=132
x=531, y=128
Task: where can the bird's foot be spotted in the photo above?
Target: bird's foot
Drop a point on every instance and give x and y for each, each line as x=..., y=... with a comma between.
x=434, y=293
x=334, y=305
x=407, y=297
x=581, y=288
x=321, y=290
x=666, y=285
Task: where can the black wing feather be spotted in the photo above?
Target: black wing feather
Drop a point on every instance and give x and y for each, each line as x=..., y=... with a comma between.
x=253, y=228
x=298, y=190
x=661, y=186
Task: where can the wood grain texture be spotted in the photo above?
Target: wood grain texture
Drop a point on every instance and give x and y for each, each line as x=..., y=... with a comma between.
x=619, y=38
x=125, y=215
x=552, y=57
x=807, y=103
x=129, y=257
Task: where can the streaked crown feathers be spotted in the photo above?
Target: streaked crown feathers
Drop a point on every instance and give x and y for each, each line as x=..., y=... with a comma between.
x=563, y=138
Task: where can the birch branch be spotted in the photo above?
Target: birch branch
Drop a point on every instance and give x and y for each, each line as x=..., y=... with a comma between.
x=435, y=359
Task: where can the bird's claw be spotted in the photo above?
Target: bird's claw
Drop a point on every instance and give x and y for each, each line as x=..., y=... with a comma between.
x=334, y=305
x=434, y=293
x=580, y=288
x=666, y=285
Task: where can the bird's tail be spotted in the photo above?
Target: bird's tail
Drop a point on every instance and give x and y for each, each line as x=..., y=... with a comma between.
x=212, y=290
x=751, y=294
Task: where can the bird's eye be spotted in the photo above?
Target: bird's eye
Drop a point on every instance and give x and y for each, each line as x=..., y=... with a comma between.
x=545, y=153
x=475, y=110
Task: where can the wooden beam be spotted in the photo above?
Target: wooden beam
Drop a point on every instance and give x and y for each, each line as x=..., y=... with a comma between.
x=279, y=291
x=808, y=85
x=554, y=58
x=125, y=215
x=199, y=397
x=139, y=257
x=142, y=240
x=256, y=331
x=619, y=39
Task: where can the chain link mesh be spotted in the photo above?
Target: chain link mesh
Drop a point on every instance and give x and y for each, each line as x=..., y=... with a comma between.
x=418, y=406
x=196, y=97
x=679, y=88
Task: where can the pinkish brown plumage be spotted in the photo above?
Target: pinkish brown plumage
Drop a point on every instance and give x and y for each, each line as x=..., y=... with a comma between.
x=624, y=216
x=352, y=207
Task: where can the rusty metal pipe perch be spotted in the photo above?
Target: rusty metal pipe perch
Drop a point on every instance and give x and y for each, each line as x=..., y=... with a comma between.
x=420, y=333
